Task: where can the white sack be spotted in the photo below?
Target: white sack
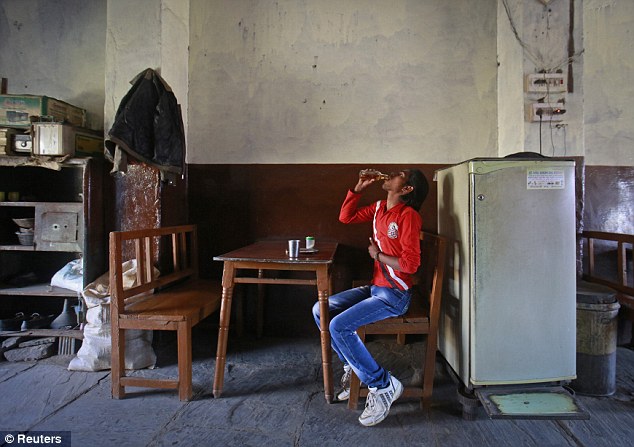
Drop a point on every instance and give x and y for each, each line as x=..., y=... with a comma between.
x=96, y=348
x=71, y=276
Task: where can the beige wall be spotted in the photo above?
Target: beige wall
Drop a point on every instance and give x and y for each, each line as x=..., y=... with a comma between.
x=510, y=82
x=55, y=48
x=133, y=43
x=145, y=34
x=608, y=82
x=342, y=82
x=405, y=81
x=549, y=39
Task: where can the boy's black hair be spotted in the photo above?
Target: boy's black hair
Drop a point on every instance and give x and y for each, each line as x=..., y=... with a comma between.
x=418, y=181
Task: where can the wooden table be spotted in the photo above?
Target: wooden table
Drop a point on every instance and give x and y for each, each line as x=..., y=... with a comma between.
x=271, y=255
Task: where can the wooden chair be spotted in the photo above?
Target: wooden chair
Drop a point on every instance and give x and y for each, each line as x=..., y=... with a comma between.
x=421, y=318
x=620, y=281
x=176, y=300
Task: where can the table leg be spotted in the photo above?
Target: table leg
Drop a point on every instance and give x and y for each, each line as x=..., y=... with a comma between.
x=223, y=330
x=323, y=285
x=260, y=307
x=238, y=298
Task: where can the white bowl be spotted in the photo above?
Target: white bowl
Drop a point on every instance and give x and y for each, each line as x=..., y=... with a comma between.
x=25, y=223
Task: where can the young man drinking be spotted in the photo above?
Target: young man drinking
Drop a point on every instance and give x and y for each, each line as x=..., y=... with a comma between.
x=395, y=248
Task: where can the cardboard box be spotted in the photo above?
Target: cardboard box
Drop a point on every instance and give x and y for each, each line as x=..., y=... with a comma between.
x=15, y=110
x=7, y=136
x=88, y=144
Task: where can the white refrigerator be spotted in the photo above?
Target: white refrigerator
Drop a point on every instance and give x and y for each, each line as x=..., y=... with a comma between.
x=508, y=313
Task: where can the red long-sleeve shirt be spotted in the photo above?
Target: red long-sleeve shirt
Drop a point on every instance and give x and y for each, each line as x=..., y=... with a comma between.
x=396, y=232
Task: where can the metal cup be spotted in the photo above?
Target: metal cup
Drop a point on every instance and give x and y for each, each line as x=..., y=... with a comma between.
x=293, y=248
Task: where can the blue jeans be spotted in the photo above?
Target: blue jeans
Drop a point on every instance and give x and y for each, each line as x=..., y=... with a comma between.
x=352, y=309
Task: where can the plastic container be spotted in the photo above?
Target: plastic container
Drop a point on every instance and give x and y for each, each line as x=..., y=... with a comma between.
x=597, y=330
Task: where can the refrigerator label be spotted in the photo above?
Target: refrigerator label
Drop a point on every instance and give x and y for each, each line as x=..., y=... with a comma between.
x=545, y=179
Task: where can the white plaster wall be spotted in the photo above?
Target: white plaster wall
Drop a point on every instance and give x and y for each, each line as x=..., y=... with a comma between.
x=403, y=81
x=609, y=82
x=545, y=34
x=510, y=93
x=175, y=50
x=55, y=48
x=298, y=81
x=132, y=44
x=146, y=34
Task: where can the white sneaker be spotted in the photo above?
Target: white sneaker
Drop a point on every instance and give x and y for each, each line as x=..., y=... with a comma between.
x=378, y=402
x=344, y=394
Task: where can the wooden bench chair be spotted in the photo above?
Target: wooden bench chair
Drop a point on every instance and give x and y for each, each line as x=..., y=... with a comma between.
x=618, y=279
x=175, y=300
x=421, y=318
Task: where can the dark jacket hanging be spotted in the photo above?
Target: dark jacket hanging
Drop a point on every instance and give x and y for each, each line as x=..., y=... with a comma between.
x=149, y=126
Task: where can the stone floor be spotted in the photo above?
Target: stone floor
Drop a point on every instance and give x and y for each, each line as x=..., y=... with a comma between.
x=273, y=396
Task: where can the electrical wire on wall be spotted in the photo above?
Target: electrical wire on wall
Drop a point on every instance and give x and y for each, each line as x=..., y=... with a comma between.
x=552, y=127
x=563, y=126
x=540, y=132
x=550, y=124
x=558, y=127
x=552, y=143
x=537, y=60
x=546, y=87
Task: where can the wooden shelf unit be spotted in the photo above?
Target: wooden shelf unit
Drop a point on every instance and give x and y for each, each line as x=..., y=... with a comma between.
x=66, y=200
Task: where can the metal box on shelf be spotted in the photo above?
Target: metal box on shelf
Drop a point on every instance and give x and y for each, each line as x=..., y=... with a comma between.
x=53, y=139
x=58, y=139
x=22, y=143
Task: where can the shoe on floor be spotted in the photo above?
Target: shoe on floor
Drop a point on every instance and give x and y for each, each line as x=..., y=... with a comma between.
x=378, y=402
x=12, y=324
x=344, y=394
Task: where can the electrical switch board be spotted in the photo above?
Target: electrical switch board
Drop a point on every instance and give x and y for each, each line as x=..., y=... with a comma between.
x=544, y=111
x=546, y=83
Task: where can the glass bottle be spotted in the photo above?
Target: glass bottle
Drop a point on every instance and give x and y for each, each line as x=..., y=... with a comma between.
x=367, y=174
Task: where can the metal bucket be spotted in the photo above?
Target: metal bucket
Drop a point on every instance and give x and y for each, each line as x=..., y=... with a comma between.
x=597, y=330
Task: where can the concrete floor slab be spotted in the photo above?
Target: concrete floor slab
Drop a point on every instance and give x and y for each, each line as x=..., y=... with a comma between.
x=273, y=396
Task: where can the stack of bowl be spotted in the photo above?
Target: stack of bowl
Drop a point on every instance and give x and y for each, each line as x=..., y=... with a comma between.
x=26, y=233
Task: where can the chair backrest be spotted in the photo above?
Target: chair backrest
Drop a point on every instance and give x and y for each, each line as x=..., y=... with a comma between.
x=430, y=277
x=421, y=318
x=613, y=270
x=180, y=241
x=428, y=280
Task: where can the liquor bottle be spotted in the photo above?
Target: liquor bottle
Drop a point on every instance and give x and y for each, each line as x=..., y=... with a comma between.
x=367, y=174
